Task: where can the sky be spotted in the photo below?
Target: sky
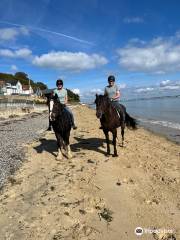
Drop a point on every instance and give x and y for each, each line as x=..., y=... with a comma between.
x=84, y=41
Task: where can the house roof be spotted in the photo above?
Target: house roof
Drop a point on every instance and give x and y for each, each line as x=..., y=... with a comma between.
x=25, y=87
x=2, y=83
x=12, y=82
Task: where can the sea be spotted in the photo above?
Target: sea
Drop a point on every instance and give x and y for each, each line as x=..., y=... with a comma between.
x=159, y=115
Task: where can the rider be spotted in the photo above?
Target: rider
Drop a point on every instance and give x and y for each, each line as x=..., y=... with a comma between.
x=113, y=93
x=63, y=98
x=112, y=90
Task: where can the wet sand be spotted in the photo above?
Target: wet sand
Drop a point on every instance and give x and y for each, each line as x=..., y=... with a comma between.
x=92, y=196
x=171, y=134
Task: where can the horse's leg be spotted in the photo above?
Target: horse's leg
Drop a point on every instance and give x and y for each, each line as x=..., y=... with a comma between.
x=107, y=141
x=114, y=132
x=69, y=154
x=59, y=155
x=68, y=149
x=122, y=132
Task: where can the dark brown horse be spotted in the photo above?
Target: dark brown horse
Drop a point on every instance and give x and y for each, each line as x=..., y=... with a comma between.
x=111, y=119
x=61, y=123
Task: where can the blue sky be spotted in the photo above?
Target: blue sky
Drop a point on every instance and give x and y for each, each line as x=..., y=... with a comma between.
x=84, y=41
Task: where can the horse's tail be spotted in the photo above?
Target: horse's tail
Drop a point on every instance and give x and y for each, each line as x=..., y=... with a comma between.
x=130, y=122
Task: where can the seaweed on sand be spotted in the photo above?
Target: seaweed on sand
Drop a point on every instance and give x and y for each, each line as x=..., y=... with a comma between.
x=106, y=214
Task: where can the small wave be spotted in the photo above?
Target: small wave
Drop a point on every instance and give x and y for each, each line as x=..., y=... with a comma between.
x=162, y=123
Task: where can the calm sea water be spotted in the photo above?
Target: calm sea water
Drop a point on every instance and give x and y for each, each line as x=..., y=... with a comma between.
x=158, y=115
x=164, y=111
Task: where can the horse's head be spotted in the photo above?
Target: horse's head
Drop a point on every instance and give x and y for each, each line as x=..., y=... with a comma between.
x=56, y=107
x=102, y=104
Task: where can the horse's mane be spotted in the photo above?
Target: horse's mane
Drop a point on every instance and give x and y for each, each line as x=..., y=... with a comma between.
x=105, y=99
x=112, y=112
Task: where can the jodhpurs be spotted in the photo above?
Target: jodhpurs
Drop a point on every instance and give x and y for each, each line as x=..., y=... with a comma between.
x=71, y=114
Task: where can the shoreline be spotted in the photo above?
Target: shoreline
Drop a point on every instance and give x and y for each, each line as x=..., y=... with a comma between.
x=170, y=134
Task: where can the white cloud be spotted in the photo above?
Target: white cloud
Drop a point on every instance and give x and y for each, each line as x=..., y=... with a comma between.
x=169, y=84
x=133, y=20
x=158, y=56
x=70, y=61
x=122, y=85
x=23, y=53
x=89, y=95
x=171, y=87
x=7, y=34
x=147, y=89
x=24, y=30
x=20, y=53
x=14, y=68
x=96, y=91
x=76, y=91
x=6, y=53
x=164, y=83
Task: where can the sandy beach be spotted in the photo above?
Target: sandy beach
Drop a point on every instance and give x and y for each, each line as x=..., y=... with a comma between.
x=91, y=196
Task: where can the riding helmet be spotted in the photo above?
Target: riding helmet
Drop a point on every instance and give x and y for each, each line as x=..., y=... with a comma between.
x=59, y=82
x=111, y=78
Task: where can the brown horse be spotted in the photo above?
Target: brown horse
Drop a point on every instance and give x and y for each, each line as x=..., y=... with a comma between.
x=111, y=119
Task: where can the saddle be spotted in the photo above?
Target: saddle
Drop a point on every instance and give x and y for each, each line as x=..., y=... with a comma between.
x=120, y=110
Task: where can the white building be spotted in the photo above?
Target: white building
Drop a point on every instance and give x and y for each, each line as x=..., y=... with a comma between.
x=26, y=89
x=14, y=87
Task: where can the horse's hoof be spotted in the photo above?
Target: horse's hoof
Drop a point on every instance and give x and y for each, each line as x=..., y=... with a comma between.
x=59, y=158
x=107, y=154
x=69, y=156
x=115, y=155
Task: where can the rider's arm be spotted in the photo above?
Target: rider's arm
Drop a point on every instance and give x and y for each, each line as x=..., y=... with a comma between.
x=105, y=92
x=66, y=98
x=117, y=95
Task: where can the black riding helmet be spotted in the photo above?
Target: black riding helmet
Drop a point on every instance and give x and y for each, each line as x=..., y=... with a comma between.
x=111, y=78
x=59, y=82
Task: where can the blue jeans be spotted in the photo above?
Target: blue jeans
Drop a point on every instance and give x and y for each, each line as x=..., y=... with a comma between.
x=71, y=114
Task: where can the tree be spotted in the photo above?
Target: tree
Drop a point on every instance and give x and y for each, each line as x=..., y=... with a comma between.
x=21, y=75
x=41, y=85
x=72, y=96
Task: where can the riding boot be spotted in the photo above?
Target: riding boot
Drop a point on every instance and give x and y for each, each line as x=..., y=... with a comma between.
x=73, y=124
x=50, y=125
x=49, y=128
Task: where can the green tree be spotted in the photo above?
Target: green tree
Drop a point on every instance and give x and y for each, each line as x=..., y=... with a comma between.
x=21, y=75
